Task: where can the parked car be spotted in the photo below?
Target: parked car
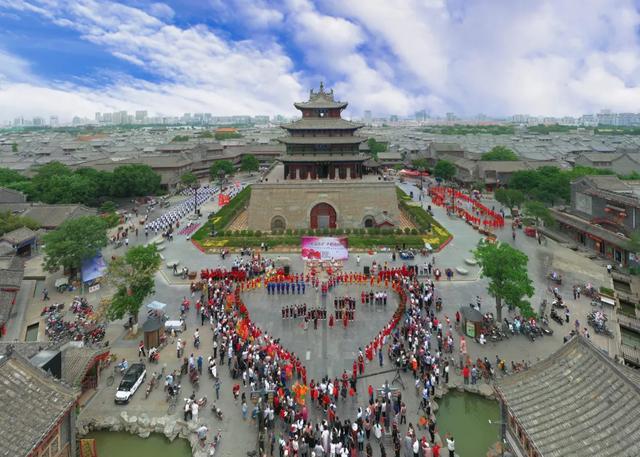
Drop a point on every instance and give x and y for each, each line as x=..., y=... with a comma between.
x=131, y=380
x=406, y=255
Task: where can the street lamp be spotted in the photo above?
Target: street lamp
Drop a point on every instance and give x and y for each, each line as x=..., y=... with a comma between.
x=195, y=186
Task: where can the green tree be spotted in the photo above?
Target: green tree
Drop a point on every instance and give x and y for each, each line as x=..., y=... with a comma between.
x=220, y=136
x=376, y=147
x=506, y=269
x=8, y=176
x=539, y=212
x=510, y=198
x=634, y=242
x=10, y=221
x=108, y=207
x=249, y=163
x=132, y=275
x=445, y=170
x=74, y=241
x=188, y=179
x=134, y=180
x=221, y=165
x=499, y=153
x=180, y=138
x=420, y=164
x=14, y=147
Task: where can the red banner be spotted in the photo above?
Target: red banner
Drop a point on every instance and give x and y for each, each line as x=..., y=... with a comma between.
x=466, y=207
x=223, y=199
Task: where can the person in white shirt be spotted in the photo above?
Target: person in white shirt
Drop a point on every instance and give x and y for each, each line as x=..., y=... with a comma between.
x=451, y=445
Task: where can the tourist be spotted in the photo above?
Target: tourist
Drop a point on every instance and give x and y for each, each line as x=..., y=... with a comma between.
x=45, y=294
x=451, y=445
x=141, y=351
x=179, y=348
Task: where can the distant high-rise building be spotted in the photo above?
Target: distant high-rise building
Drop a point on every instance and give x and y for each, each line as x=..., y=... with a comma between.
x=421, y=115
x=261, y=120
x=141, y=116
x=98, y=117
x=451, y=117
x=38, y=122
x=393, y=118
x=124, y=117
x=367, y=116
x=53, y=121
x=107, y=118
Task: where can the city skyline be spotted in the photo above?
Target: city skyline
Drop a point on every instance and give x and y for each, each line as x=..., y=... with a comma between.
x=241, y=57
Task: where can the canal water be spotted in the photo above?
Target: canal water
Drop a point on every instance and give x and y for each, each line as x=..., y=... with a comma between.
x=122, y=444
x=466, y=417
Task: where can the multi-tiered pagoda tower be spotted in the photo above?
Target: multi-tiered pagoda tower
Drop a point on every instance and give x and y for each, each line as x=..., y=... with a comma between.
x=321, y=182
x=322, y=145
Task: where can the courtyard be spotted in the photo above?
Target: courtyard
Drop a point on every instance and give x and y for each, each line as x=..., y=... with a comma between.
x=329, y=350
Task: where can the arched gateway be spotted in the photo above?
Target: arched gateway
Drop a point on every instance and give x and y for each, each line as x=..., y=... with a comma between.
x=323, y=215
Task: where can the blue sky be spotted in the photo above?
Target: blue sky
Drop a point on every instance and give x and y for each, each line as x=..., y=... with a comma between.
x=499, y=57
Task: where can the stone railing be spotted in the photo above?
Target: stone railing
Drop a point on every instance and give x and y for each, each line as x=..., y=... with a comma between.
x=631, y=322
x=143, y=426
x=630, y=352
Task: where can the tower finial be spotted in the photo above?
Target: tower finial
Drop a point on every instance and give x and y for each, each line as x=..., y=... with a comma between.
x=321, y=87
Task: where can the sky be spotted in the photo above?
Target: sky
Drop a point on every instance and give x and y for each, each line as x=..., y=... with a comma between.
x=230, y=57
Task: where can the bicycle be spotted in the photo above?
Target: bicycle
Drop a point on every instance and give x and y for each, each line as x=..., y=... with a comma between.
x=112, y=376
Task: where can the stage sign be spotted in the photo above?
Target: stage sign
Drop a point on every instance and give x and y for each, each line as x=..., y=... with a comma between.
x=325, y=248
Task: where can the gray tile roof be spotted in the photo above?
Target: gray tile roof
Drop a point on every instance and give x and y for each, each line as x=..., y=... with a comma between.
x=32, y=403
x=11, y=274
x=322, y=139
x=48, y=216
x=18, y=235
x=576, y=402
x=76, y=362
x=322, y=123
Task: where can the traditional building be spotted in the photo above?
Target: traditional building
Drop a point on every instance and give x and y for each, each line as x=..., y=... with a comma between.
x=38, y=411
x=575, y=402
x=322, y=145
x=322, y=182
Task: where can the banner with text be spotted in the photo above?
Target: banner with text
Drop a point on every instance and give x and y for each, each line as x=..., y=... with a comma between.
x=325, y=248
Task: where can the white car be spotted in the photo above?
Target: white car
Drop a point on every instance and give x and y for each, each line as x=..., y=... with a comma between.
x=131, y=380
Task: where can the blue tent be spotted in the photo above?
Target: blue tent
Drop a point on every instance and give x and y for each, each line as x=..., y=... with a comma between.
x=93, y=268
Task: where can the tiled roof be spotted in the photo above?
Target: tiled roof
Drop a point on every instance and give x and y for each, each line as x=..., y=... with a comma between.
x=576, y=402
x=48, y=216
x=322, y=123
x=11, y=274
x=32, y=403
x=19, y=235
x=322, y=139
x=75, y=362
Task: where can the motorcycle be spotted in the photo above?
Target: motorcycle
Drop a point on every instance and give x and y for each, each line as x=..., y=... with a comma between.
x=196, y=342
x=201, y=402
x=556, y=317
x=217, y=411
x=214, y=444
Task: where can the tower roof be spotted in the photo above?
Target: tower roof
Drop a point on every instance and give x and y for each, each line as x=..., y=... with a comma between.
x=315, y=123
x=321, y=99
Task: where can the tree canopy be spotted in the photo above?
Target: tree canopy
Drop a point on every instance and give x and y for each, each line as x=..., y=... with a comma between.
x=220, y=136
x=221, y=165
x=538, y=211
x=74, y=241
x=506, y=269
x=10, y=221
x=249, y=163
x=375, y=147
x=499, y=153
x=510, y=198
x=56, y=183
x=444, y=169
x=188, y=179
x=132, y=276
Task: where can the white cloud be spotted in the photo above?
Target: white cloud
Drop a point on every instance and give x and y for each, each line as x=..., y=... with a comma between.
x=552, y=57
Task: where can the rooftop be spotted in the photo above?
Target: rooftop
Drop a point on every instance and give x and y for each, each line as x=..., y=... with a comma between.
x=576, y=402
x=321, y=99
x=32, y=403
x=322, y=139
x=322, y=123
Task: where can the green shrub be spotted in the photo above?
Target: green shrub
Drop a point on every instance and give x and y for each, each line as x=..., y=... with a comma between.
x=325, y=231
x=309, y=231
x=289, y=232
x=347, y=231
x=386, y=231
x=258, y=233
x=339, y=231
x=407, y=230
x=414, y=231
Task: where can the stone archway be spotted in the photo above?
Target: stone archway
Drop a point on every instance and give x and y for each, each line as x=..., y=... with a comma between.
x=278, y=223
x=368, y=222
x=323, y=215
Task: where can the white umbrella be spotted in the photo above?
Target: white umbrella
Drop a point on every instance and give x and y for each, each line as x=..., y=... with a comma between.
x=156, y=305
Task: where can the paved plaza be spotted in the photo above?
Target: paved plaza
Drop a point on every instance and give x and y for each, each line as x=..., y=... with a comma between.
x=330, y=350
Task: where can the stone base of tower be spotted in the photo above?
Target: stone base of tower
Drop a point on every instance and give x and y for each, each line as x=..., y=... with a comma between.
x=323, y=204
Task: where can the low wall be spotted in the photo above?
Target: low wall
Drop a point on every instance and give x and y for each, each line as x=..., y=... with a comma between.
x=143, y=426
